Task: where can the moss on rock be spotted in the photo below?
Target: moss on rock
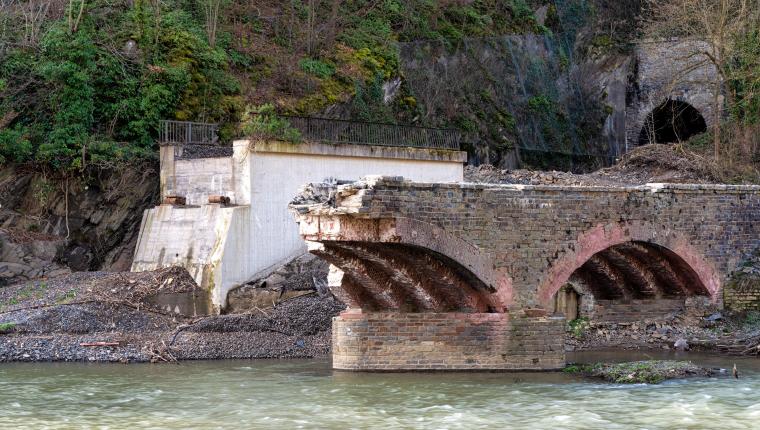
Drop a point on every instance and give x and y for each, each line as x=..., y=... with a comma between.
x=642, y=372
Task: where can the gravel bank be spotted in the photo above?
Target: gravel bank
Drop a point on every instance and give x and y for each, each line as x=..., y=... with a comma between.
x=103, y=317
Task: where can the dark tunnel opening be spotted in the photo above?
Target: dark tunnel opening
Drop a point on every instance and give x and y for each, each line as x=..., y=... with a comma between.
x=671, y=122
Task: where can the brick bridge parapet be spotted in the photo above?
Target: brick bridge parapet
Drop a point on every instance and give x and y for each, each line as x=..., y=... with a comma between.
x=483, y=248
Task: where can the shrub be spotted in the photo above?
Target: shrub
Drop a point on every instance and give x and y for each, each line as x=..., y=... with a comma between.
x=317, y=68
x=14, y=145
x=263, y=123
x=578, y=327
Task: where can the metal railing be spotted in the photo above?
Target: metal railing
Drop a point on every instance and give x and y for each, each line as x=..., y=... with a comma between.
x=187, y=133
x=372, y=133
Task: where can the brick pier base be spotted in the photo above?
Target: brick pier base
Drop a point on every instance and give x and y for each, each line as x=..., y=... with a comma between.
x=447, y=341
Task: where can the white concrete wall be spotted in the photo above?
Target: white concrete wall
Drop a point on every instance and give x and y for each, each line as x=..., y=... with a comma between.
x=209, y=241
x=273, y=224
x=224, y=247
x=196, y=179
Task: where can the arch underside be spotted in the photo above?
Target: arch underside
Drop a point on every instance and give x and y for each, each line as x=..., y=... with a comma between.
x=638, y=270
x=384, y=276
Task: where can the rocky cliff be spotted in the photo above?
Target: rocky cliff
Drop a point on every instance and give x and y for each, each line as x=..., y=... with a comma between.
x=84, y=222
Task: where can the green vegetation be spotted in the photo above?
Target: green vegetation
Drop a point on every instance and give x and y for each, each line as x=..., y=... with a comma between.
x=7, y=327
x=32, y=291
x=578, y=368
x=317, y=68
x=94, y=90
x=83, y=89
x=77, y=92
x=638, y=372
x=744, y=70
x=578, y=327
x=67, y=297
x=262, y=123
x=751, y=319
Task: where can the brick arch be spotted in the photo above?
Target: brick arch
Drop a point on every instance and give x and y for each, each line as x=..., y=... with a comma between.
x=476, y=260
x=603, y=237
x=367, y=249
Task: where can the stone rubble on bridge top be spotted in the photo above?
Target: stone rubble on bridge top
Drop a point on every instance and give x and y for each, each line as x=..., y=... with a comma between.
x=645, y=164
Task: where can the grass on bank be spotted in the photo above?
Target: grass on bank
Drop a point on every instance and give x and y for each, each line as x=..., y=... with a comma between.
x=7, y=327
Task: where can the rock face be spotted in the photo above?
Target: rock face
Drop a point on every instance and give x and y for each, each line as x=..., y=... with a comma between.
x=93, y=226
x=25, y=256
x=304, y=275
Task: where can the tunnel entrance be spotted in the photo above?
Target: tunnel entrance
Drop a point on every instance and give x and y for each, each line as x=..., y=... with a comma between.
x=631, y=281
x=671, y=122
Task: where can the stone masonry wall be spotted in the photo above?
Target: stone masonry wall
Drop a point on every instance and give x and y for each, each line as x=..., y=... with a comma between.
x=446, y=341
x=742, y=295
x=523, y=243
x=538, y=235
x=635, y=310
x=672, y=69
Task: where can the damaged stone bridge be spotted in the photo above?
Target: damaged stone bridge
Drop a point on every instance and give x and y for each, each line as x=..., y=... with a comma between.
x=477, y=276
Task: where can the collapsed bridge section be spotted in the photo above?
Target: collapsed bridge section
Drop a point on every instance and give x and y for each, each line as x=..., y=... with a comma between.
x=467, y=276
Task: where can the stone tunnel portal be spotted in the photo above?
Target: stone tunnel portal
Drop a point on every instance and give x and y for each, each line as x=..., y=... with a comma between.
x=629, y=281
x=671, y=122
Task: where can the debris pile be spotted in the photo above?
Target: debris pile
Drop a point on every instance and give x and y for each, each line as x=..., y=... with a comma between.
x=734, y=334
x=645, y=164
x=102, y=316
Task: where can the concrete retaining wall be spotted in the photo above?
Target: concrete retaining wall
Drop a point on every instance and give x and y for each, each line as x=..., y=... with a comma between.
x=195, y=238
x=446, y=341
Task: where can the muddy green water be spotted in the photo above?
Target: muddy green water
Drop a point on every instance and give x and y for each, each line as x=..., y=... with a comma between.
x=307, y=394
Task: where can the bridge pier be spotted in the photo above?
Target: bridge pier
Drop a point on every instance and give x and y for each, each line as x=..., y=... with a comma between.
x=393, y=341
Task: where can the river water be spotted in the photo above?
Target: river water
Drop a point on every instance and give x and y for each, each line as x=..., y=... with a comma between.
x=307, y=394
